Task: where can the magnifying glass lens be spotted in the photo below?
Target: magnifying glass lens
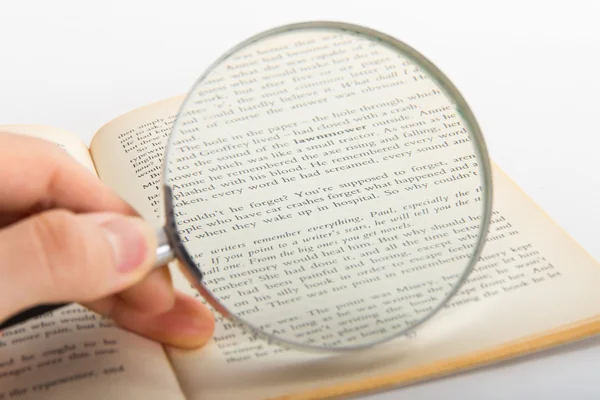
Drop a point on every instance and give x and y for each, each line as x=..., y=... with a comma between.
x=328, y=185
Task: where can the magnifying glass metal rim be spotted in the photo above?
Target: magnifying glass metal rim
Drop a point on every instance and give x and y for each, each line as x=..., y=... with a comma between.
x=170, y=242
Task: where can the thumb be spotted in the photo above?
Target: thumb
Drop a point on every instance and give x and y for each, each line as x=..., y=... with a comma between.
x=58, y=256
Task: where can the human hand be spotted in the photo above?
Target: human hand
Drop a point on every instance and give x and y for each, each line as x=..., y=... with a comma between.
x=66, y=237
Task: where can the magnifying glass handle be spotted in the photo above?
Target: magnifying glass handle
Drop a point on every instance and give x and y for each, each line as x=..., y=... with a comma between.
x=164, y=252
x=164, y=255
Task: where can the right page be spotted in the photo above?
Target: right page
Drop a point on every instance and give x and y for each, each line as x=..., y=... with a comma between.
x=533, y=288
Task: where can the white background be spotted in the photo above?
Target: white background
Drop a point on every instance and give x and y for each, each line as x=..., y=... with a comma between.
x=528, y=69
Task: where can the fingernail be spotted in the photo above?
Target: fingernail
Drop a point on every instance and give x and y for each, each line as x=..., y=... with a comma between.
x=128, y=241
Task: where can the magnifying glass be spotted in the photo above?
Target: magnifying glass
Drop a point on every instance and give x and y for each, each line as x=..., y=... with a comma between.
x=325, y=186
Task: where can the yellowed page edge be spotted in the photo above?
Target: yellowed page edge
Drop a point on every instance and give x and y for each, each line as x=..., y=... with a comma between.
x=451, y=366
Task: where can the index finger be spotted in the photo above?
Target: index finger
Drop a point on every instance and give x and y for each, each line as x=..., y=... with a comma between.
x=37, y=175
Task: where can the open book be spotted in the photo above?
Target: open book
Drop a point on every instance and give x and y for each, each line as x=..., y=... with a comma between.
x=533, y=288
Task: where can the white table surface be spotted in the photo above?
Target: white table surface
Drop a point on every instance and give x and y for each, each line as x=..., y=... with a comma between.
x=528, y=69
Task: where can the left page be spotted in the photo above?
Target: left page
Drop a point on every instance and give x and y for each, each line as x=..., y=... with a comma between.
x=73, y=353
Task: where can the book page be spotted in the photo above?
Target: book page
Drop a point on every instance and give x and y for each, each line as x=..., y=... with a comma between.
x=531, y=280
x=73, y=353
